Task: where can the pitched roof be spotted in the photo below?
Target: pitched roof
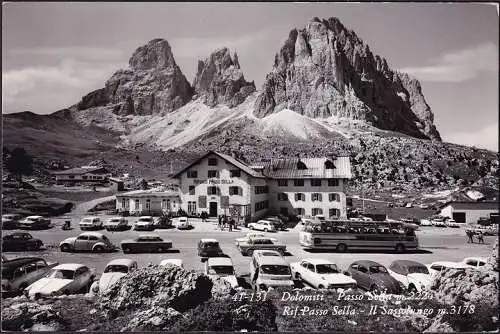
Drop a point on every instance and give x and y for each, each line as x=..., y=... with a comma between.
x=231, y=160
x=81, y=170
x=463, y=205
x=155, y=192
x=314, y=168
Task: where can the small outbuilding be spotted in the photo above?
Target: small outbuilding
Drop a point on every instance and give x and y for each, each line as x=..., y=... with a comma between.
x=469, y=212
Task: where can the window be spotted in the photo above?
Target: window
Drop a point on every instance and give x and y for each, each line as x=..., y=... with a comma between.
x=316, y=197
x=192, y=174
x=191, y=190
x=261, y=205
x=329, y=164
x=333, y=182
x=261, y=190
x=84, y=177
x=300, y=197
x=213, y=173
x=282, y=197
x=235, y=191
x=316, y=182
x=362, y=269
x=284, y=211
x=192, y=207
x=300, y=211
x=235, y=173
x=317, y=211
x=333, y=197
x=212, y=162
x=82, y=237
x=298, y=182
x=212, y=190
x=136, y=204
x=71, y=176
x=334, y=213
x=124, y=202
x=283, y=183
x=93, y=238
x=148, y=204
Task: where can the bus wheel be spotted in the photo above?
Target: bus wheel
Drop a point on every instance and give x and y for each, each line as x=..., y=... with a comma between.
x=341, y=248
x=400, y=248
x=250, y=252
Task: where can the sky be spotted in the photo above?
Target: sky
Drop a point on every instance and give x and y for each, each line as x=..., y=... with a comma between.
x=55, y=53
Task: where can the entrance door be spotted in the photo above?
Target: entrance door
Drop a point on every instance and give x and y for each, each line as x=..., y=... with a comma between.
x=213, y=209
x=459, y=217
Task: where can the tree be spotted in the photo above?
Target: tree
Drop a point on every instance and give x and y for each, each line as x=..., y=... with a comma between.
x=19, y=163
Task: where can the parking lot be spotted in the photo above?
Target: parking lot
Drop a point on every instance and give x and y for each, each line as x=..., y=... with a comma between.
x=436, y=244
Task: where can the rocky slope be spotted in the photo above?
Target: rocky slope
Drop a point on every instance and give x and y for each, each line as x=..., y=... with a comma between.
x=219, y=80
x=152, y=84
x=327, y=70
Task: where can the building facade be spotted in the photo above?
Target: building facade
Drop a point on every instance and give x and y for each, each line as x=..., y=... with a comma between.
x=148, y=202
x=82, y=175
x=220, y=184
x=469, y=212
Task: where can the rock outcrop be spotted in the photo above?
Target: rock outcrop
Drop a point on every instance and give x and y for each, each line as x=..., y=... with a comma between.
x=327, y=70
x=152, y=84
x=30, y=316
x=219, y=80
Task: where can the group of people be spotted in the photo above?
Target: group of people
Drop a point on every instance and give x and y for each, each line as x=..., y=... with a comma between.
x=225, y=221
x=470, y=236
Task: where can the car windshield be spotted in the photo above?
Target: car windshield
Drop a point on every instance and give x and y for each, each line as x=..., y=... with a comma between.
x=61, y=273
x=211, y=245
x=116, y=220
x=327, y=268
x=149, y=239
x=377, y=269
x=418, y=270
x=275, y=269
x=145, y=220
x=87, y=220
x=221, y=270
x=270, y=254
x=116, y=268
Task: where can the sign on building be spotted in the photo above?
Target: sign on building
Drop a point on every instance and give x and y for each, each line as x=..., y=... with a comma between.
x=202, y=202
x=224, y=202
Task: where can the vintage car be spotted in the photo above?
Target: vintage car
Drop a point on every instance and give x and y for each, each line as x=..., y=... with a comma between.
x=247, y=247
x=475, y=262
x=174, y=262
x=116, y=223
x=373, y=277
x=113, y=271
x=321, y=274
x=18, y=274
x=438, y=221
x=250, y=235
x=413, y=275
x=451, y=223
x=20, y=241
x=146, y=243
x=221, y=267
x=278, y=222
x=90, y=223
x=263, y=225
x=64, y=279
x=209, y=247
x=485, y=230
x=34, y=223
x=144, y=223
x=436, y=267
x=10, y=221
x=87, y=241
x=269, y=270
x=183, y=223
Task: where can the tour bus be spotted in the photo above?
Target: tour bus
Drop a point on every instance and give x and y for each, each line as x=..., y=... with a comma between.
x=342, y=235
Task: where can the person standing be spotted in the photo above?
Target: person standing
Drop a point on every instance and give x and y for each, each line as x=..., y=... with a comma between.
x=480, y=238
x=225, y=221
x=470, y=236
x=220, y=222
x=231, y=224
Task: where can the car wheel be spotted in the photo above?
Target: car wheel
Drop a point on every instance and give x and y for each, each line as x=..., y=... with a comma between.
x=64, y=248
x=266, y=230
x=282, y=252
x=400, y=248
x=262, y=287
x=66, y=292
x=250, y=227
x=98, y=249
x=250, y=252
x=127, y=250
x=321, y=286
x=298, y=276
x=160, y=249
x=341, y=248
x=23, y=286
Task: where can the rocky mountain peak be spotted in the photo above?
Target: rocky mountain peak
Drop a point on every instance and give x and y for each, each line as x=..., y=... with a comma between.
x=152, y=84
x=219, y=80
x=326, y=70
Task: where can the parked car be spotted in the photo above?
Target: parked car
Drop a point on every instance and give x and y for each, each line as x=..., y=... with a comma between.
x=221, y=267
x=146, y=243
x=250, y=235
x=116, y=223
x=64, y=279
x=278, y=223
x=414, y=276
x=436, y=267
x=262, y=225
x=163, y=222
x=452, y=223
x=269, y=271
x=34, y=223
x=373, y=277
x=425, y=222
x=183, y=223
x=249, y=246
x=475, y=262
x=438, y=222
x=175, y=262
x=18, y=274
x=90, y=223
x=20, y=241
x=209, y=248
x=423, y=206
x=485, y=230
x=87, y=241
x=321, y=274
x=113, y=271
x=10, y=221
x=144, y=223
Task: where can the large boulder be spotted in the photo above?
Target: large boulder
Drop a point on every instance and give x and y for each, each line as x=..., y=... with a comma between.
x=31, y=316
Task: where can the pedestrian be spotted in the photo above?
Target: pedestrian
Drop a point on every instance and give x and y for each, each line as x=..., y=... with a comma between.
x=470, y=236
x=225, y=221
x=220, y=222
x=231, y=223
x=480, y=238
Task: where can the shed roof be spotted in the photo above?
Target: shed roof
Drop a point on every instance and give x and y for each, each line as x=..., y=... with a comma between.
x=81, y=170
x=155, y=192
x=466, y=205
